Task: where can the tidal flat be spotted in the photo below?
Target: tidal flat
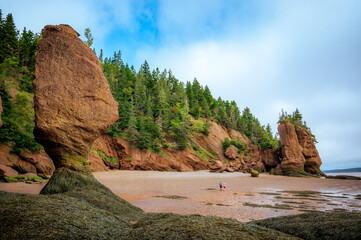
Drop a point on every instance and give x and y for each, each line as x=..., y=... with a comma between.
x=244, y=199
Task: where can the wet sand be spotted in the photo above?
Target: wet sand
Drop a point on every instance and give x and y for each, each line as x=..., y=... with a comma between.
x=244, y=199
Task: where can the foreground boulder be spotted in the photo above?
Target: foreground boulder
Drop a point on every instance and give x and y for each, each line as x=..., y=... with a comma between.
x=73, y=104
x=317, y=226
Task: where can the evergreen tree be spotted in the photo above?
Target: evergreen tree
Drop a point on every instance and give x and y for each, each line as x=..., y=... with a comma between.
x=89, y=37
x=9, y=39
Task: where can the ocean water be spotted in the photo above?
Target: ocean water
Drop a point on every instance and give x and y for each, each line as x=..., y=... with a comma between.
x=356, y=174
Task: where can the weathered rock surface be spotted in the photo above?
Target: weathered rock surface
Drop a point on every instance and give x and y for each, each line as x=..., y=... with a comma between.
x=292, y=157
x=217, y=167
x=231, y=152
x=12, y=160
x=269, y=159
x=73, y=104
x=6, y=171
x=1, y=110
x=259, y=167
x=313, y=160
x=298, y=153
x=41, y=161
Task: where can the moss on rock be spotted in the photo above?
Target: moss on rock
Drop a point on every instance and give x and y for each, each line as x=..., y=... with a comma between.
x=317, y=225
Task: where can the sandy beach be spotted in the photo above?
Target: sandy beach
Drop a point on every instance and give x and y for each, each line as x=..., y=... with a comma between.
x=244, y=199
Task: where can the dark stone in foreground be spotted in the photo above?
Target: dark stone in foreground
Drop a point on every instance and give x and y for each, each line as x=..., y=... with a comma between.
x=320, y=225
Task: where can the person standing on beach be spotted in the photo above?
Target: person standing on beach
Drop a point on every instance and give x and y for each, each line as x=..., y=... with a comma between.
x=220, y=186
x=224, y=186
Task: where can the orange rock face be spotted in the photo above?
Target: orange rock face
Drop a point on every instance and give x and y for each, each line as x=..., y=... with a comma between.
x=292, y=157
x=313, y=160
x=298, y=150
x=73, y=104
x=269, y=159
x=232, y=152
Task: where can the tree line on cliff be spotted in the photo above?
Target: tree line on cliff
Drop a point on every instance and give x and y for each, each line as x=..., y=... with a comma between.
x=155, y=108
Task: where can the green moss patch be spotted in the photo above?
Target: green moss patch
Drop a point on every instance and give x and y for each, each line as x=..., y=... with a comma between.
x=276, y=206
x=270, y=193
x=171, y=197
x=26, y=179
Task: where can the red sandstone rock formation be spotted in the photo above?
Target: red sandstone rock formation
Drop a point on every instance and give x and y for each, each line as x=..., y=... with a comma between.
x=130, y=158
x=37, y=162
x=269, y=159
x=292, y=157
x=313, y=160
x=73, y=104
x=298, y=153
x=232, y=152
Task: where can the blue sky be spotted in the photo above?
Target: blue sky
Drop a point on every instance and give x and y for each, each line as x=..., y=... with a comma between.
x=263, y=54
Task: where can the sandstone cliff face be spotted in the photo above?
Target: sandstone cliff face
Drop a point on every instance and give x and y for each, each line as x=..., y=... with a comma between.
x=115, y=153
x=38, y=162
x=298, y=152
x=73, y=104
x=119, y=154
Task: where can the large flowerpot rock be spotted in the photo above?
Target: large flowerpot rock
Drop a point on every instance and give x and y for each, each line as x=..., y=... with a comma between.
x=73, y=104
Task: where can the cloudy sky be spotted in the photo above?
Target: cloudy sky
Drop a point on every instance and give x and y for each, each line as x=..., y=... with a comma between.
x=267, y=55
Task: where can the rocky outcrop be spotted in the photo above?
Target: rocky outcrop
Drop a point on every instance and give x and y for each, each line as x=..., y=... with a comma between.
x=217, y=167
x=298, y=153
x=6, y=171
x=36, y=162
x=269, y=159
x=41, y=161
x=1, y=110
x=232, y=152
x=73, y=104
x=309, y=151
x=292, y=157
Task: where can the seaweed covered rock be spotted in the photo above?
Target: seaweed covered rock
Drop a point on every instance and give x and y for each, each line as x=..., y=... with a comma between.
x=319, y=225
x=73, y=104
x=254, y=173
x=174, y=226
